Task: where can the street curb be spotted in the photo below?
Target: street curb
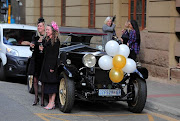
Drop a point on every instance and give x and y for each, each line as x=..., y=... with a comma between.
x=151, y=105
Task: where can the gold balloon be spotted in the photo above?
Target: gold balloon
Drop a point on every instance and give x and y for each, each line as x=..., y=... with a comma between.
x=119, y=61
x=116, y=75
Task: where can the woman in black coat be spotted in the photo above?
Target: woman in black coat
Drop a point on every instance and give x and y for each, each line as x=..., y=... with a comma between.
x=37, y=59
x=49, y=67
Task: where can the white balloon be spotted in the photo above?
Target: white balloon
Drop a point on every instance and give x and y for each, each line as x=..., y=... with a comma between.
x=105, y=62
x=124, y=50
x=112, y=48
x=130, y=66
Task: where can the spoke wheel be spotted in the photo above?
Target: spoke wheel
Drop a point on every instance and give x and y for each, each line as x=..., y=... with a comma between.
x=30, y=84
x=66, y=94
x=62, y=91
x=138, y=88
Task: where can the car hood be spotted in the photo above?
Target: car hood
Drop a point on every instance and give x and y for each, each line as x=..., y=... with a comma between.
x=23, y=51
x=82, y=49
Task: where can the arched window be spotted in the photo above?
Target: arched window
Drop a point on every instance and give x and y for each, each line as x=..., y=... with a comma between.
x=91, y=16
x=137, y=11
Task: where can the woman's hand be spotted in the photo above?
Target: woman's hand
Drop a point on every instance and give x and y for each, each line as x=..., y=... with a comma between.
x=51, y=70
x=123, y=30
x=41, y=48
x=32, y=45
x=121, y=40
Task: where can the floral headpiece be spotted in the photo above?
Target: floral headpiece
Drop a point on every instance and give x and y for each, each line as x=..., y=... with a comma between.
x=54, y=26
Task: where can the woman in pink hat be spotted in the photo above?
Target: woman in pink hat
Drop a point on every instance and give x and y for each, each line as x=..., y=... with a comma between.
x=49, y=67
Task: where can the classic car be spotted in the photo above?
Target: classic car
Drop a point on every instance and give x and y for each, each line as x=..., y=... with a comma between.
x=81, y=77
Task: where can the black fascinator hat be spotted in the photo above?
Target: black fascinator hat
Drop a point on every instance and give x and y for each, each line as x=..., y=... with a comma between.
x=40, y=20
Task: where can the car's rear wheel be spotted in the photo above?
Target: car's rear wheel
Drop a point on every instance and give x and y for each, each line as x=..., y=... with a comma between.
x=138, y=88
x=66, y=94
x=2, y=74
x=30, y=84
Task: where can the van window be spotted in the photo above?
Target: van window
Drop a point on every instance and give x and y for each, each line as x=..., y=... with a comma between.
x=17, y=36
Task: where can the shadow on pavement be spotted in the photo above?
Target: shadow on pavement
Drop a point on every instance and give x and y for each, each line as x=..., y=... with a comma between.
x=20, y=80
x=100, y=106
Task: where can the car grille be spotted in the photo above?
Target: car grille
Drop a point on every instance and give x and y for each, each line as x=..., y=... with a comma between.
x=102, y=79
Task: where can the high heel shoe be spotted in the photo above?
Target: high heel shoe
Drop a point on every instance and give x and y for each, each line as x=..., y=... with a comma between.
x=42, y=104
x=48, y=108
x=35, y=102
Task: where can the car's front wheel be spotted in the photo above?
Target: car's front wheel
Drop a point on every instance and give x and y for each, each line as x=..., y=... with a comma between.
x=138, y=88
x=66, y=94
x=30, y=84
x=2, y=74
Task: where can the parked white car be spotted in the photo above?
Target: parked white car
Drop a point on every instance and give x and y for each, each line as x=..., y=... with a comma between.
x=14, y=49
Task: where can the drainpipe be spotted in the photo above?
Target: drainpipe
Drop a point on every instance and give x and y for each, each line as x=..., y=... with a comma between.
x=41, y=8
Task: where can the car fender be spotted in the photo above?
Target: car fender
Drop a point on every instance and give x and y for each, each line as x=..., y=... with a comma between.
x=3, y=58
x=67, y=71
x=142, y=72
x=70, y=70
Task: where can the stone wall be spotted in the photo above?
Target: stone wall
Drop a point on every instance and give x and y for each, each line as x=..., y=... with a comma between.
x=51, y=11
x=158, y=39
x=32, y=11
x=104, y=8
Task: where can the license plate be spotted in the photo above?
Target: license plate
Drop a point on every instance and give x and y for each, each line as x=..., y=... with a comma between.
x=109, y=92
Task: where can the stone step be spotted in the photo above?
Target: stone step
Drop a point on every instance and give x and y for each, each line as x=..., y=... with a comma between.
x=175, y=74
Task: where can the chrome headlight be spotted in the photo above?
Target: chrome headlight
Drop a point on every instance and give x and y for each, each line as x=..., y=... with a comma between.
x=89, y=60
x=12, y=52
x=68, y=61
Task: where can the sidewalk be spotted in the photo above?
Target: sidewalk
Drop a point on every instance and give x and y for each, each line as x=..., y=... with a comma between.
x=164, y=97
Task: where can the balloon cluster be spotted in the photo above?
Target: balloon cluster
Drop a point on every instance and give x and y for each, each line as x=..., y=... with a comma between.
x=117, y=61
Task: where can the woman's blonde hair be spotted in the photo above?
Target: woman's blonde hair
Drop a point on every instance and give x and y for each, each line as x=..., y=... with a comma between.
x=106, y=20
x=38, y=34
x=55, y=35
x=127, y=23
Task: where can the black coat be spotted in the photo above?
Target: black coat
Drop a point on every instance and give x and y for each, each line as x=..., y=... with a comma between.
x=36, y=60
x=51, y=53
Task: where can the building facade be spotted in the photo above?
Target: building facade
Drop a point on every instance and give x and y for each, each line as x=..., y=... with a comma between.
x=158, y=21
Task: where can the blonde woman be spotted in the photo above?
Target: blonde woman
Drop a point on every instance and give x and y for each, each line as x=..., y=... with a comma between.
x=37, y=59
x=125, y=32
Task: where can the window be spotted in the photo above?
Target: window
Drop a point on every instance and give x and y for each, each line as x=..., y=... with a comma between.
x=137, y=11
x=17, y=36
x=91, y=19
x=63, y=12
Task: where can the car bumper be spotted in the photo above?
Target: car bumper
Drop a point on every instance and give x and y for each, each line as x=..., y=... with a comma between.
x=16, y=66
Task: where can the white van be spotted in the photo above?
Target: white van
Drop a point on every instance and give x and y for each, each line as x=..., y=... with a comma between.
x=14, y=49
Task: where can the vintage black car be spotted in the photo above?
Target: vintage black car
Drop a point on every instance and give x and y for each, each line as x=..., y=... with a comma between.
x=81, y=78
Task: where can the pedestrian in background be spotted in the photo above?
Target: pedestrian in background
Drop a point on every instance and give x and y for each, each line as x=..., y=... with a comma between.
x=49, y=68
x=37, y=59
x=125, y=33
x=109, y=29
x=134, y=40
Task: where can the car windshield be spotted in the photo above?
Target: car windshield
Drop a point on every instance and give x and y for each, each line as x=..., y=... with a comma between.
x=18, y=37
x=93, y=41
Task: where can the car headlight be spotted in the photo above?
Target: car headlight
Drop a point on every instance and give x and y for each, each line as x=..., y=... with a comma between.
x=89, y=60
x=12, y=52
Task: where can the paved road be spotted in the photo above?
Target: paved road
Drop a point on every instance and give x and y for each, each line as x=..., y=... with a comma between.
x=15, y=105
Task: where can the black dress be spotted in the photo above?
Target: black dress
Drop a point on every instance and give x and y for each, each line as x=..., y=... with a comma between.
x=36, y=59
x=49, y=79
